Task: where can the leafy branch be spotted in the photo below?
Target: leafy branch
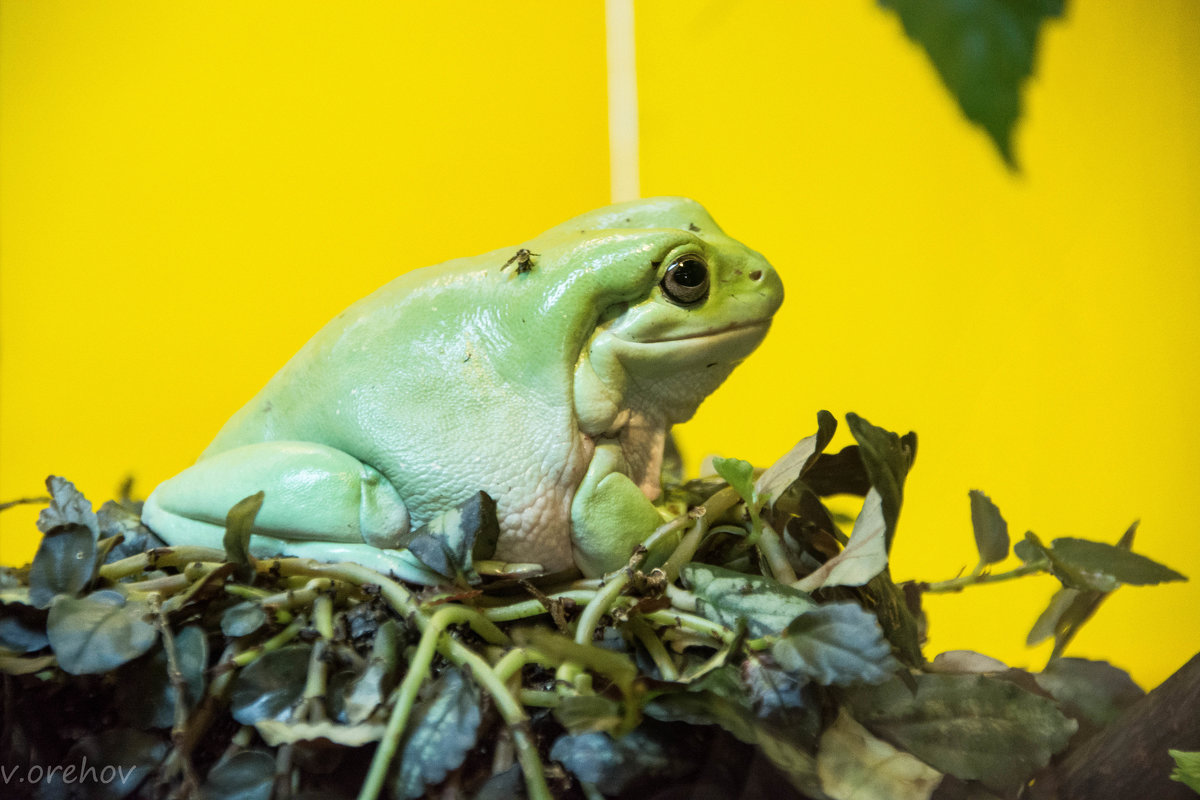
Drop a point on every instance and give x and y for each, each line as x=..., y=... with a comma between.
x=226, y=675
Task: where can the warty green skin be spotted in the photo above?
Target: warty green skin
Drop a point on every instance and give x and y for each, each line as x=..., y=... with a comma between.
x=550, y=387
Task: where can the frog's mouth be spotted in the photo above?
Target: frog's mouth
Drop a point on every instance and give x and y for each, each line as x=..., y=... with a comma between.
x=727, y=344
x=759, y=326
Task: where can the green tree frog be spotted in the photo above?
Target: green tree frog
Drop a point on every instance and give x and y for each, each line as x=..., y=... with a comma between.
x=546, y=374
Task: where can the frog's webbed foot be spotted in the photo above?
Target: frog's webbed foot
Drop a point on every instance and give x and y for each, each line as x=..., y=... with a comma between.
x=401, y=564
x=319, y=503
x=609, y=515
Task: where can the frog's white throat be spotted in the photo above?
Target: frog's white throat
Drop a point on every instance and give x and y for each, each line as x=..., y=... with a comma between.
x=633, y=392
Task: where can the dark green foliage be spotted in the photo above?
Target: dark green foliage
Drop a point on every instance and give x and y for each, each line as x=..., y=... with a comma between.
x=974, y=727
x=836, y=644
x=450, y=543
x=983, y=50
x=98, y=632
x=991, y=531
x=237, y=677
x=763, y=605
x=270, y=686
x=446, y=730
x=248, y=775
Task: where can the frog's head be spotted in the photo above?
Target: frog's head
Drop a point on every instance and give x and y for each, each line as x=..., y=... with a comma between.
x=673, y=305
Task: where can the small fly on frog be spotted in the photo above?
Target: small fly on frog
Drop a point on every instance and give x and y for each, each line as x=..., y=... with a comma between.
x=524, y=260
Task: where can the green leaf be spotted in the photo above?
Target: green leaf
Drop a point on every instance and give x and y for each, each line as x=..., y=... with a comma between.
x=1082, y=593
x=65, y=563
x=67, y=507
x=729, y=597
x=971, y=726
x=1093, y=692
x=771, y=689
x=1049, y=622
x=782, y=700
x=777, y=743
x=839, y=473
x=898, y=610
x=22, y=630
x=991, y=531
x=243, y=619
x=836, y=643
x=248, y=775
x=1071, y=576
x=617, y=667
x=787, y=470
x=1029, y=552
x=270, y=686
x=738, y=474
x=505, y=785
x=588, y=712
x=613, y=765
x=367, y=693
x=1187, y=768
x=1111, y=561
x=887, y=458
x=146, y=697
x=705, y=708
x=125, y=756
x=446, y=730
x=864, y=556
x=797, y=765
x=449, y=543
x=98, y=632
x=116, y=520
x=983, y=51
x=854, y=765
x=239, y=524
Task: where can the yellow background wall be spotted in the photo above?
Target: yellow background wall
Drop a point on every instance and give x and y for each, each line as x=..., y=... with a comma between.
x=189, y=190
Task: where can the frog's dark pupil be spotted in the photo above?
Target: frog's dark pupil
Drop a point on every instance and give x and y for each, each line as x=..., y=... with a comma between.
x=690, y=272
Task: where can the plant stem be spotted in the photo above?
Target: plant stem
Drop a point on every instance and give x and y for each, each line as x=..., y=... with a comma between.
x=405, y=696
x=179, y=685
x=654, y=646
x=312, y=707
x=585, y=629
x=712, y=510
x=963, y=581
x=274, y=643
x=533, y=608
x=771, y=547
x=511, y=711
x=323, y=615
x=699, y=624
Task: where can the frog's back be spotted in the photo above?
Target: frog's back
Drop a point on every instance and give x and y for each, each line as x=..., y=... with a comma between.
x=412, y=381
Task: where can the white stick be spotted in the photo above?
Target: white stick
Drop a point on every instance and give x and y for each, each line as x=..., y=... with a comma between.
x=622, y=101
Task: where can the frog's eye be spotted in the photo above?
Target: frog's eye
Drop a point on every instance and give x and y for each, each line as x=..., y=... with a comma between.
x=686, y=280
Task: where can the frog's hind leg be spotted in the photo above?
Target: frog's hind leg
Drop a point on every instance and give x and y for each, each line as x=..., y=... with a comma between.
x=319, y=502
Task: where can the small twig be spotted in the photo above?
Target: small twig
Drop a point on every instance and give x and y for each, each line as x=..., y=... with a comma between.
x=178, y=557
x=191, y=783
x=165, y=585
x=283, y=773
x=274, y=643
x=533, y=608
x=569, y=672
x=654, y=646
x=23, y=501
x=771, y=547
x=405, y=696
x=974, y=579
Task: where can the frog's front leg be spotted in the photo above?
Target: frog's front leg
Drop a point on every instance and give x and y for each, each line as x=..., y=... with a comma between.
x=318, y=503
x=610, y=515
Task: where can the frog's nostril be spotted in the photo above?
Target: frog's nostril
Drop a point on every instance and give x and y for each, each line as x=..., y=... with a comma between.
x=756, y=275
